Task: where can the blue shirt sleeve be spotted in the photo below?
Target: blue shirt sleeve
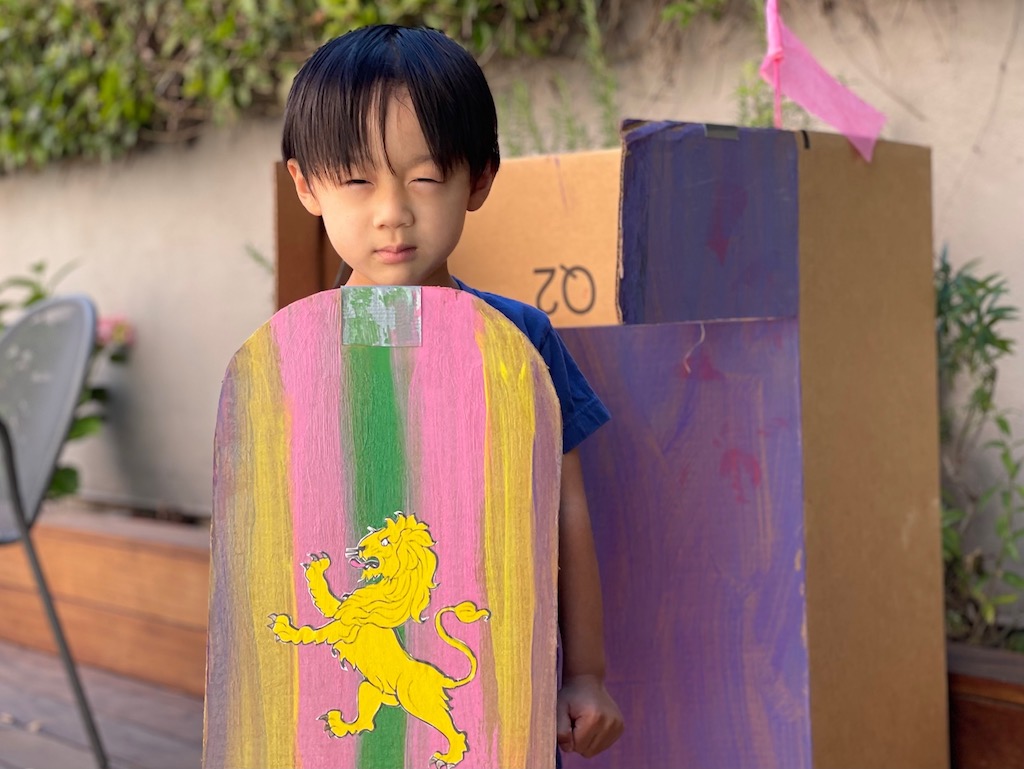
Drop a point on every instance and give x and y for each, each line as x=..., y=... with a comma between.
x=582, y=411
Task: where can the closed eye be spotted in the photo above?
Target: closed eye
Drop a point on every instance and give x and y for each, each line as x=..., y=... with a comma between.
x=424, y=179
x=354, y=182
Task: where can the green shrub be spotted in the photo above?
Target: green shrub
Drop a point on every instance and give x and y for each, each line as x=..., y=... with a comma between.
x=983, y=589
x=94, y=78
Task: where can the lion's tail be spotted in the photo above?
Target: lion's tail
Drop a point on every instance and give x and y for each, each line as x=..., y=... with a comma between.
x=466, y=612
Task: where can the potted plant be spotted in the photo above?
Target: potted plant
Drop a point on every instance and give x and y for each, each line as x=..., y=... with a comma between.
x=982, y=521
x=114, y=337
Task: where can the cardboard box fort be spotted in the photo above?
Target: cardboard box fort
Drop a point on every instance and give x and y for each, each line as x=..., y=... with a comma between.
x=756, y=309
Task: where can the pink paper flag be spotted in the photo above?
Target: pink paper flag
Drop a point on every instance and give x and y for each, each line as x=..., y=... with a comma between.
x=792, y=70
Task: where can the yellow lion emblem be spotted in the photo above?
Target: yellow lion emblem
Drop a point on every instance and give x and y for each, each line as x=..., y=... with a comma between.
x=398, y=569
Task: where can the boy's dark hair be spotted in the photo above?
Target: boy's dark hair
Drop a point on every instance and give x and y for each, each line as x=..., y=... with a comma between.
x=354, y=76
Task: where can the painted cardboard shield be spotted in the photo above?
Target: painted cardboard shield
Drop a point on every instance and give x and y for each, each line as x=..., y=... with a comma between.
x=384, y=561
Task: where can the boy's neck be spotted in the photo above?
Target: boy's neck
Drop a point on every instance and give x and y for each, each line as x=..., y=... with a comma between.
x=440, y=277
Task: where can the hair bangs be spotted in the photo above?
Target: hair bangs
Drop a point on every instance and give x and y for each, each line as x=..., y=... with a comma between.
x=337, y=107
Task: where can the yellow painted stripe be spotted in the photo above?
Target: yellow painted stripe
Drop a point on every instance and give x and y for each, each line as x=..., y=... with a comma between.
x=508, y=526
x=268, y=693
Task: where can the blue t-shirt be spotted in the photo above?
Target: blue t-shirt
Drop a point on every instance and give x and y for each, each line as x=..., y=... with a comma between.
x=582, y=411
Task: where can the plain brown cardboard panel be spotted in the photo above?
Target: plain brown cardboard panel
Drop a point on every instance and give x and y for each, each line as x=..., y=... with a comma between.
x=549, y=212
x=870, y=419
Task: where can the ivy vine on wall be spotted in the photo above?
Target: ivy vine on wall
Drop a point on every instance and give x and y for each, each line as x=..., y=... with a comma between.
x=95, y=78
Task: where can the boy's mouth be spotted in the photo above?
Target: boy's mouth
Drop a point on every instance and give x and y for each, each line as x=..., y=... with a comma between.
x=396, y=254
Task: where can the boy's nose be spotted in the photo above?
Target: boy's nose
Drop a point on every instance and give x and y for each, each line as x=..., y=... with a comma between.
x=393, y=211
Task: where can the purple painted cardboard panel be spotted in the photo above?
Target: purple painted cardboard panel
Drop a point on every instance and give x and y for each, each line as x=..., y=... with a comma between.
x=709, y=225
x=695, y=494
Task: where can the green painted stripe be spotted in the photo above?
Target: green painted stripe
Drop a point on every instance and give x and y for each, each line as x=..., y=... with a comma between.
x=378, y=458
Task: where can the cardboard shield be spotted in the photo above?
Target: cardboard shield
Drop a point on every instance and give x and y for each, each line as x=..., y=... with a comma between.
x=384, y=557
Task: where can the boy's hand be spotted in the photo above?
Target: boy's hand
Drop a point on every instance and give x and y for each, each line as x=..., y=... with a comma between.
x=589, y=721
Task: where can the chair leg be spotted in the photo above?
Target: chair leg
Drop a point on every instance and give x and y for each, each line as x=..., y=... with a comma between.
x=21, y=521
x=65, y=653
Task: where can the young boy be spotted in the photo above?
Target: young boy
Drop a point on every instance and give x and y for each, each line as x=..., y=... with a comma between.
x=391, y=136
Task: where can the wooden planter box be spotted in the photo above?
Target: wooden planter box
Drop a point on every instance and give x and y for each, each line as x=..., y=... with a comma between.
x=986, y=707
x=131, y=593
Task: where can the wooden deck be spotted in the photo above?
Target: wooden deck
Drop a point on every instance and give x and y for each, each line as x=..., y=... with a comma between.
x=143, y=726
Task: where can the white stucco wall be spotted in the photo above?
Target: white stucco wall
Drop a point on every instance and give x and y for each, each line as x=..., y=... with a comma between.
x=162, y=238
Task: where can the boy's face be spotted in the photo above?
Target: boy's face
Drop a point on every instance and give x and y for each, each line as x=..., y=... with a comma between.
x=395, y=228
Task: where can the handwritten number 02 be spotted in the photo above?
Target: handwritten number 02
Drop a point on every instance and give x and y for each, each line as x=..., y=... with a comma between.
x=571, y=275
x=581, y=273
x=550, y=272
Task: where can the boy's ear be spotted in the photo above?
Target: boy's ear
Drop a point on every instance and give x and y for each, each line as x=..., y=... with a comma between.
x=481, y=188
x=303, y=190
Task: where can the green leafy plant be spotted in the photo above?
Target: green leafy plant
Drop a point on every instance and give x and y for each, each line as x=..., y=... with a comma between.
x=95, y=79
x=605, y=85
x=570, y=132
x=518, y=121
x=684, y=12
x=983, y=589
x=114, y=339
x=520, y=131
x=755, y=102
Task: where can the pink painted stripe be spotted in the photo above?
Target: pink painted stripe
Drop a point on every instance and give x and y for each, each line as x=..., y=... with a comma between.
x=310, y=365
x=447, y=422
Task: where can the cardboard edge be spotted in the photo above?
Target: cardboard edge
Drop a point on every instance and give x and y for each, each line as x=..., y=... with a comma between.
x=298, y=237
x=850, y=656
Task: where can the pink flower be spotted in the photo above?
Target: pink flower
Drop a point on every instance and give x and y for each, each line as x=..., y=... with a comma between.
x=115, y=330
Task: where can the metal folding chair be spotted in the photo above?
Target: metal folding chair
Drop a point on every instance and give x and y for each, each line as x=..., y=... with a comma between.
x=44, y=360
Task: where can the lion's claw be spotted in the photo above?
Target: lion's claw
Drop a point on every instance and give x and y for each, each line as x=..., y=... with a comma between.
x=339, y=724
x=318, y=562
